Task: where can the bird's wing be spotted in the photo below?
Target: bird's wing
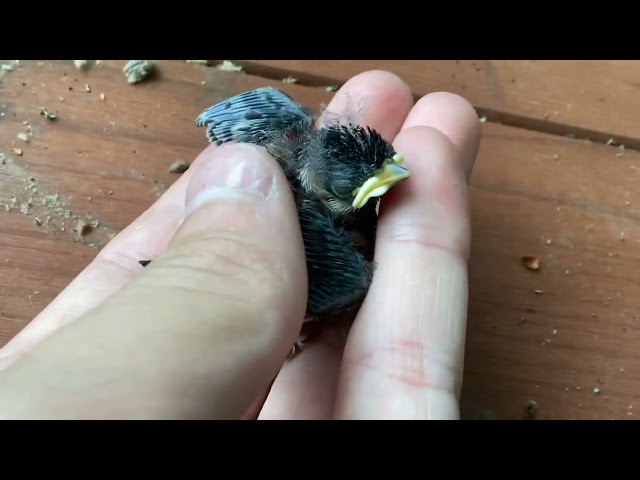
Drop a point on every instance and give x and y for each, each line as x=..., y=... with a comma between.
x=338, y=275
x=253, y=117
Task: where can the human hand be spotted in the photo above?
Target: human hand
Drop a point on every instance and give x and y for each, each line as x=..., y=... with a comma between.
x=203, y=331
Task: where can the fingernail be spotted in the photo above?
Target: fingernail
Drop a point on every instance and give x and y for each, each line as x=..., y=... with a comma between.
x=234, y=170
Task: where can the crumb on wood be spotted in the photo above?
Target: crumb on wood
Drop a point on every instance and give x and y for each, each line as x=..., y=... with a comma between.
x=620, y=151
x=85, y=226
x=611, y=141
x=530, y=262
x=530, y=409
x=17, y=151
x=82, y=227
x=483, y=119
x=24, y=136
x=331, y=88
x=596, y=391
x=49, y=115
x=179, y=166
x=102, y=97
x=87, y=88
x=83, y=64
x=290, y=79
x=45, y=208
x=229, y=66
x=9, y=67
x=555, y=332
x=137, y=71
x=537, y=291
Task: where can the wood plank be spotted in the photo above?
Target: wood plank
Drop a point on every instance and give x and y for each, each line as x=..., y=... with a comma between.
x=595, y=99
x=551, y=197
x=532, y=194
x=34, y=267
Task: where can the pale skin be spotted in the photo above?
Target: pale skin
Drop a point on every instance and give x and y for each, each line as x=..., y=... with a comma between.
x=203, y=332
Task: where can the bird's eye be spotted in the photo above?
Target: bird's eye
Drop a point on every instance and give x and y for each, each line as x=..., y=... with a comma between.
x=342, y=189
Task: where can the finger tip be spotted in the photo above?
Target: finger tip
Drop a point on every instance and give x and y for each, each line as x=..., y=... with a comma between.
x=432, y=203
x=428, y=156
x=213, y=160
x=376, y=98
x=414, y=141
x=454, y=116
x=381, y=80
x=213, y=153
x=433, y=160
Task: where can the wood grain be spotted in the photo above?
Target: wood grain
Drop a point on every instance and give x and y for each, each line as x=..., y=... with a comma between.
x=595, y=99
x=551, y=197
x=574, y=204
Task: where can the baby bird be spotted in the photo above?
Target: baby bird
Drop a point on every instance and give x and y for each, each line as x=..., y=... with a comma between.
x=337, y=174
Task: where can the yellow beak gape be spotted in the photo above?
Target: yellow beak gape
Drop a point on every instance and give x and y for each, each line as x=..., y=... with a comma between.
x=392, y=172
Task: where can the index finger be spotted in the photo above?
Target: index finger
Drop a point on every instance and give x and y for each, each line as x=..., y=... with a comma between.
x=405, y=352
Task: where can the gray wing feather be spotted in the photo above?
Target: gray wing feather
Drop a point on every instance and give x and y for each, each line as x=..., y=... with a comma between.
x=338, y=275
x=253, y=117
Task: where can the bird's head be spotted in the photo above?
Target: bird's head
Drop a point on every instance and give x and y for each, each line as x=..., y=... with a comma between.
x=352, y=165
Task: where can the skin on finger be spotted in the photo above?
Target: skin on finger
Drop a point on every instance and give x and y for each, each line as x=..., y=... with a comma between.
x=112, y=268
x=254, y=409
x=405, y=353
x=202, y=331
x=455, y=117
x=375, y=98
x=305, y=386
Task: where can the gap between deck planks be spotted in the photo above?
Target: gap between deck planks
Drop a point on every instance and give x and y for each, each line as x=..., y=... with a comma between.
x=531, y=194
x=595, y=100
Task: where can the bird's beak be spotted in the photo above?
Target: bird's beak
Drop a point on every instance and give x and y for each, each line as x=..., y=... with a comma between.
x=391, y=173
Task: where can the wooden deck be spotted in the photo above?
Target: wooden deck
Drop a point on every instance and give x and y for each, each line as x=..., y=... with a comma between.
x=552, y=180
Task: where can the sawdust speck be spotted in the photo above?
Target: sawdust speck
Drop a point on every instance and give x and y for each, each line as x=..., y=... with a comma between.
x=83, y=64
x=179, y=166
x=229, y=66
x=138, y=70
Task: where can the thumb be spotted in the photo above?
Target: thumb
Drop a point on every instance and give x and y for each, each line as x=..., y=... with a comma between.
x=203, y=330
